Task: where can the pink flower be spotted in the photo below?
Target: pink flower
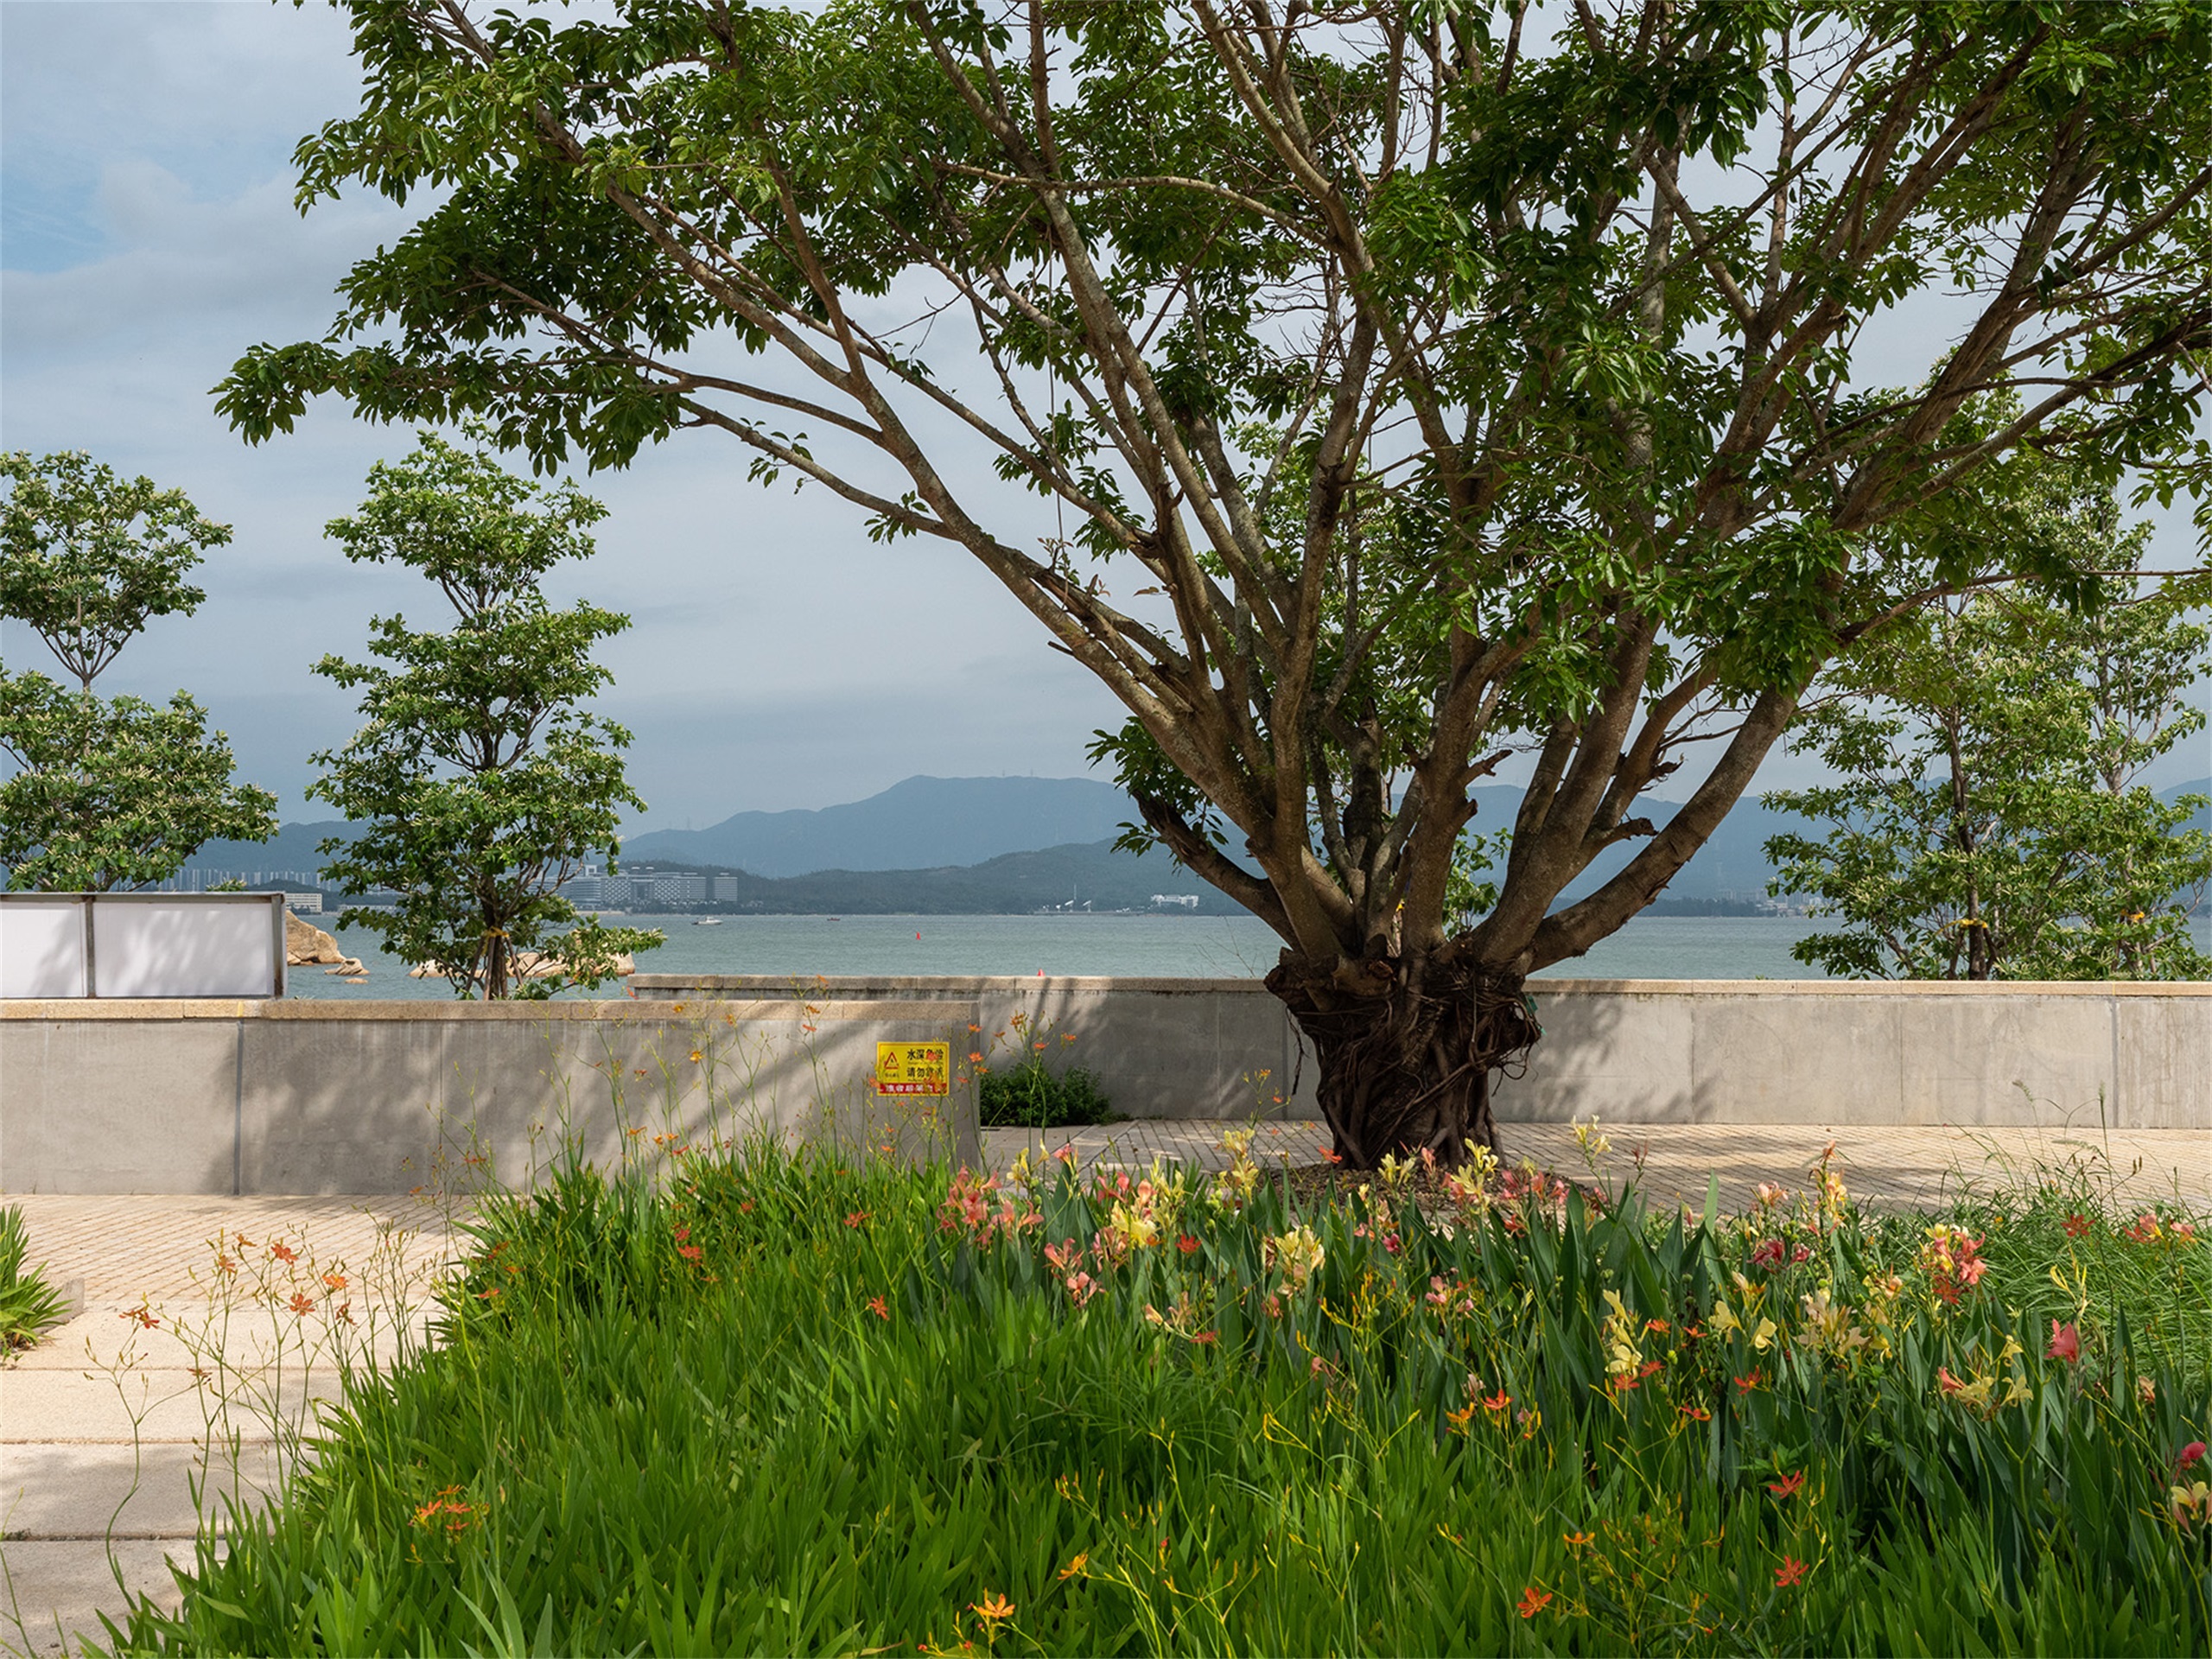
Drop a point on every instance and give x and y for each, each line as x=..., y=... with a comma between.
x=1769, y=1255
x=2065, y=1344
x=2192, y=1454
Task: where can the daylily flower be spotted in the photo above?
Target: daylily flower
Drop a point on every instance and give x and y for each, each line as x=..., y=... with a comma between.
x=1187, y=1244
x=2065, y=1344
x=1532, y=1602
x=1787, y=1485
x=1790, y=1572
x=2076, y=1228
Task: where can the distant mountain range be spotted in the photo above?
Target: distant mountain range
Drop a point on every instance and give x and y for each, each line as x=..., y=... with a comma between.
x=922, y=824
x=952, y=846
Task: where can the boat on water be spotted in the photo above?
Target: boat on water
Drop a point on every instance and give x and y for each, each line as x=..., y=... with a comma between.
x=706, y=921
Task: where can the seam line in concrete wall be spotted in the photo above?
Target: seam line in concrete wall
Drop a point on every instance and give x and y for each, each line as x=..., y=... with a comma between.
x=238, y=1112
x=2112, y=1107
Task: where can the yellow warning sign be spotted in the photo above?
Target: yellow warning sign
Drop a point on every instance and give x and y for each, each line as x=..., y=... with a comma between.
x=913, y=1067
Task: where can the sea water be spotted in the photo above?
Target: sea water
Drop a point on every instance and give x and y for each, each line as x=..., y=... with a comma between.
x=1179, y=947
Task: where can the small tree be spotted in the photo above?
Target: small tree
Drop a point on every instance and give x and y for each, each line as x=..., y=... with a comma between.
x=104, y=795
x=482, y=782
x=1988, y=821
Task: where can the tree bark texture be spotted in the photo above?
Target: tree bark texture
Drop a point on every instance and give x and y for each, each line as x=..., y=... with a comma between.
x=1406, y=1047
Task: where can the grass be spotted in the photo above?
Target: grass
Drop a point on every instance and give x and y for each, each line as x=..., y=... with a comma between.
x=29, y=1306
x=798, y=1404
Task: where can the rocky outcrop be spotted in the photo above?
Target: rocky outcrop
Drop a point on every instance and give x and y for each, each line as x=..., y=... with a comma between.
x=528, y=965
x=307, y=946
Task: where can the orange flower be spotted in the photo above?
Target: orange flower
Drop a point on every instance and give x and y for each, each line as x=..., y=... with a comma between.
x=1187, y=1244
x=695, y=1057
x=1790, y=1572
x=146, y=1317
x=1075, y=1566
x=1787, y=1485
x=1459, y=1419
x=226, y=1267
x=992, y=1609
x=858, y=1218
x=1533, y=1603
x=283, y=1252
x=1745, y=1384
x=335, y=1281
x=1697, y=1413
x=300, y=1304
x=689, y=1252
x=876, y=1306
x=1332, y=1154
x=1576, y=1540
x=1497, y=1402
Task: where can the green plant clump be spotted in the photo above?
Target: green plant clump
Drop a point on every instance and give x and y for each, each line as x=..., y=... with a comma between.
x=29, y=1304
x=787, y=1404
x=1030, y=1096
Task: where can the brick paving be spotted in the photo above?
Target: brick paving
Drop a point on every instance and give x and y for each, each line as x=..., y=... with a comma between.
x=1896, y=1167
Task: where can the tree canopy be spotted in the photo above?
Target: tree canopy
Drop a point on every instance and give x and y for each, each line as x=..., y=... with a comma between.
x=1422, y=384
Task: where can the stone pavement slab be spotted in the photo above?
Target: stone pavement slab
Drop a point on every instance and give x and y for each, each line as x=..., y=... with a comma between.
x=1893, y=1167
x=111, y=1400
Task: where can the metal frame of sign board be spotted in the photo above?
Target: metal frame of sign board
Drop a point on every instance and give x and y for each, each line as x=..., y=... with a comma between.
x=87, y=903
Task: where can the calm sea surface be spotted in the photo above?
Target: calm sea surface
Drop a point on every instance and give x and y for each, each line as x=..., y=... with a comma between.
x=1196, y=947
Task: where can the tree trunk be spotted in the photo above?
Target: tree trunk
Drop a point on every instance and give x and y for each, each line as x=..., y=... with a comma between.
x=1406, y=1047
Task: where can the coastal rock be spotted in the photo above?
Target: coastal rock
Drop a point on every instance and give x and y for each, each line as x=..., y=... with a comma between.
x=308, y=945
x=528, y=965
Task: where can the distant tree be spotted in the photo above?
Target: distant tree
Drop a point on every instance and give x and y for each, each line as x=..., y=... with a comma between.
x=1597, y=306
x=1987, y=820
x=105, y=794
x=478, y=779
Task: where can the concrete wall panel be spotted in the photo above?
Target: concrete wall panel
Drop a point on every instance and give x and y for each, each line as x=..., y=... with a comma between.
x=309, y=1097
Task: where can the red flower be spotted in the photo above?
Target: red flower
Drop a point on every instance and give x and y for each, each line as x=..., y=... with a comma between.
x=1745, y=1384
x=1331, y=1155
x=1769, y=1255
x=1790, y=1572
x=1787, y=1485
x=682, y=1234
x=2076, y=1228
x=1697, y=1414
x=2065, y=1344
x=1532, y=1602
x=689, y=1252
x=875, y=1306
x=2192, y=1454
x=1187, y=1244
x=1497, y=1402
x=858, y=1218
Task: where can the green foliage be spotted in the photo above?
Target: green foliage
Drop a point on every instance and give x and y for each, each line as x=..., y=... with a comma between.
x=1029, y=1095
x=113, y=794
x=479, y=779
x=1988, y=822
x=105, y=794
x=1419, y=383
x=86, y=556
x=789, y=1404
x=28, y=1304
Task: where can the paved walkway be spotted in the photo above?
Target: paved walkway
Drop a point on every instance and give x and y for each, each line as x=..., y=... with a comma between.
x=1892, y=1166
x=181, y=1378
x=105, y=1428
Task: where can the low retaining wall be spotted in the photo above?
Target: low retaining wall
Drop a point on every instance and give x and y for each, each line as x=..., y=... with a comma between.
x=300, y=1097
x=216, y=1097
x=1638, y=1051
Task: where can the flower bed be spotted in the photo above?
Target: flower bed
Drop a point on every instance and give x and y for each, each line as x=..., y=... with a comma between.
x=791, y=1405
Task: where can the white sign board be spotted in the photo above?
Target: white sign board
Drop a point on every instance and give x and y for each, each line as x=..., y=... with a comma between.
x=141, y=944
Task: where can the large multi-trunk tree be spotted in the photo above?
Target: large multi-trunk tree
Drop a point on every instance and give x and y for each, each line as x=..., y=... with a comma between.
x=1424, y=388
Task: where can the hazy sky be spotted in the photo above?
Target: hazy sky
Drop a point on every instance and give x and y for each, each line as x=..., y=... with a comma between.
x=777, y=658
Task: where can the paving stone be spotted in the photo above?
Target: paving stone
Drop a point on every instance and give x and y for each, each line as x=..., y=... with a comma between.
x=53, y=1593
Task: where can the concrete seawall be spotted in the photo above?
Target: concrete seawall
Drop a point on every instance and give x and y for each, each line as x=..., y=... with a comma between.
x=1634, y=1050
x=296, y=1096
x=300, y=1096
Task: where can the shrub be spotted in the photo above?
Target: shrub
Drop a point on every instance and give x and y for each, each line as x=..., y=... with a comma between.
x=28, y=1304
x=1030, y=1096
